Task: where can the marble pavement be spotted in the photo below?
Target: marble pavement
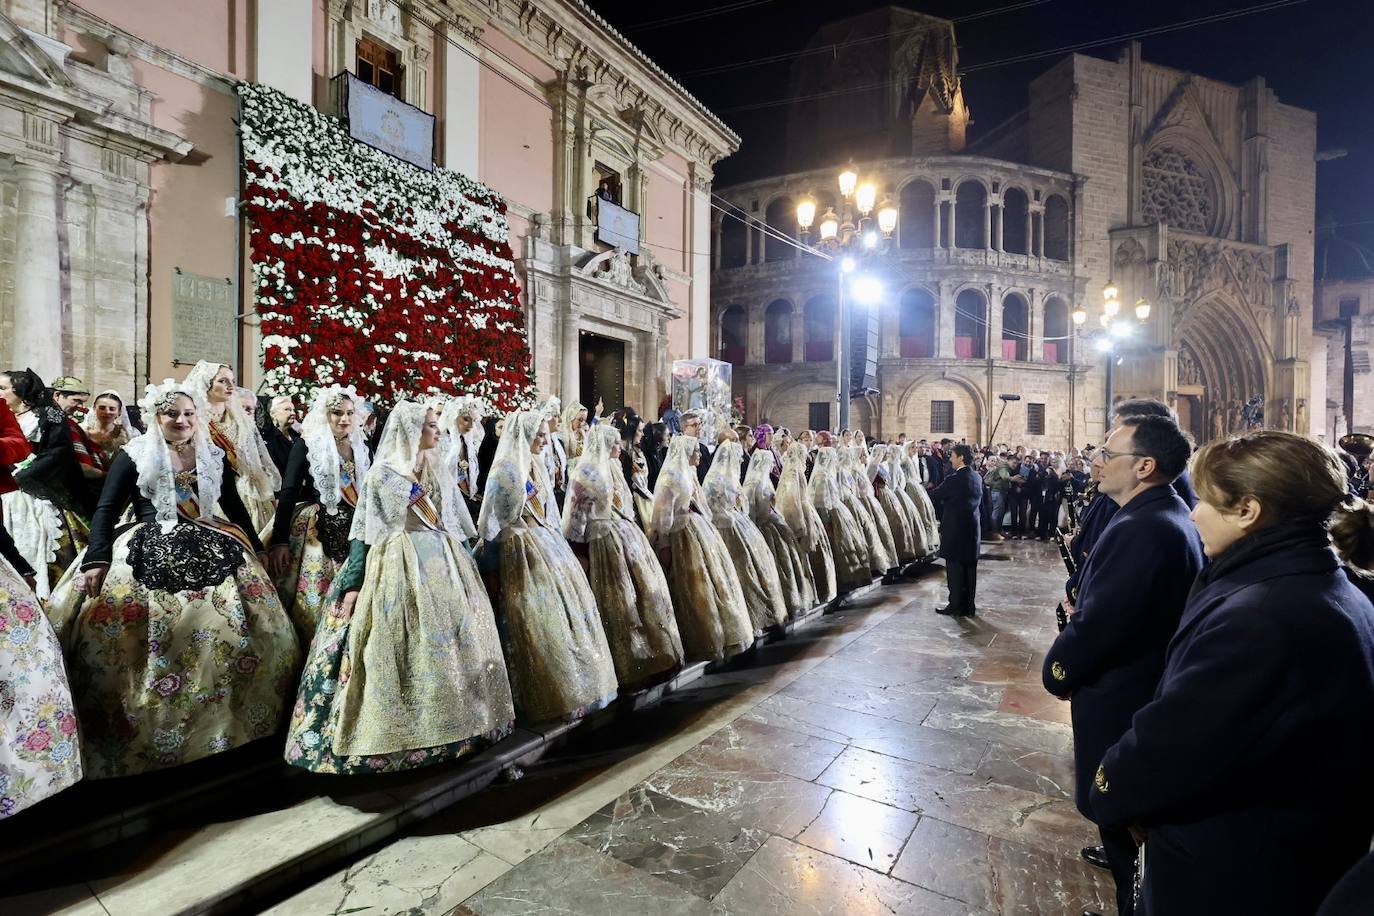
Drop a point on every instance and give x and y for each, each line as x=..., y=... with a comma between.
x=887, y=760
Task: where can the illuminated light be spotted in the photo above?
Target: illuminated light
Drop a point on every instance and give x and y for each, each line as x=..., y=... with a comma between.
x=1109, y=291
x=1121, y=329
x=806, y=214
x=865, y=198
x=848, y=264
x=1080, y=316
x=830, y=226
x=848, y=179
x=870, y=239
x=866, y=290
x=1103, y=344
x=1105, y=319
x=887, y=218
x=1142, y=310
x=1112, y=306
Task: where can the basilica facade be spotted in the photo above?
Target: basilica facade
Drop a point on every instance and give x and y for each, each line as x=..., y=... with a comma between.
x=1193, y=195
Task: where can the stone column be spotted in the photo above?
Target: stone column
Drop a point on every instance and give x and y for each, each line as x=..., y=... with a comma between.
x=994, y=339
x=987, y=223
x=462, y=120
x=1030, y=235
x=753, y=334
x=952, y=217
x=798, y=333
x=1036, y=350
x=570, y=388
x=935, y=231
x=652, y=348
x=699, y=295
x=944, y=321
x=38, y=274
x=997, y=227
x=283, y=58
x=889, y=331
x=748, y=240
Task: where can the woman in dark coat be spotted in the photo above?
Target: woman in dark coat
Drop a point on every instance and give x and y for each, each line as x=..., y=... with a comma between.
x=1246, y=772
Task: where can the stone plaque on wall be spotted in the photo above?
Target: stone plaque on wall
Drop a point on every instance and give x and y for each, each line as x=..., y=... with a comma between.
x=202, y=319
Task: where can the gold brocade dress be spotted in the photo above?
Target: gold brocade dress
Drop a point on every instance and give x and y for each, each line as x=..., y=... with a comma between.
x=903, y=537
x=754, y=563
x=707, y=598
x=186, y=651
x=561, y=667
x=630, y=587
x=415, y=675
x=794, y=572
x=853, y=566
x=879, y=560
x=639, y=488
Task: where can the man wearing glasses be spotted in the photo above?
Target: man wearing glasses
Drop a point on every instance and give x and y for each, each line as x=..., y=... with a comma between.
x=1133, y=586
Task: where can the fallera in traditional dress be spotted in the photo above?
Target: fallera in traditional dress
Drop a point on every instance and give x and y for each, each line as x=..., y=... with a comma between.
x=925, y=509
x=794, y=502
x=903, y=537
x=186, y=651
x=754, y=563
x=851, y=550
x=39, y=749
x=414, y=675
x=707, y=599
x=794, y=572
x=873, y=518
x=625, y=575
x=44, y=516
x=315, y=508
x=560, y=665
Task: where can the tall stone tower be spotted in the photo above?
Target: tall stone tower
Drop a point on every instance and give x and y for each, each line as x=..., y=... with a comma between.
x=881, y=84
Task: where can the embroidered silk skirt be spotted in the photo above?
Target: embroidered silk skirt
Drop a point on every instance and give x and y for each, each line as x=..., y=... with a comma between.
x=794, y=572
x=756, y=568
x=635, y=604
x=853, y=564
x=707, y=598
x=319, y=547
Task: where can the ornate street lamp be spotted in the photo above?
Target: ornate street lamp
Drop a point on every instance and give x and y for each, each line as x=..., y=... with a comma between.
x=847, y=236
x=1115, y=333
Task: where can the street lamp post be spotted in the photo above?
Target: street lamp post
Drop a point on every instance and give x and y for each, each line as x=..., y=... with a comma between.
x=846, y=238
x=1113, y=336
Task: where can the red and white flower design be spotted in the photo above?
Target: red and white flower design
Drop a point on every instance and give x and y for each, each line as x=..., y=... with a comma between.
x=372, y=272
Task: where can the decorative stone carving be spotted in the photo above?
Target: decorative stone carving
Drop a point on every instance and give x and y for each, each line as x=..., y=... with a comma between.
x=385, y=13
x=1188, y=371
x=1196, y=268
x=1177, y=191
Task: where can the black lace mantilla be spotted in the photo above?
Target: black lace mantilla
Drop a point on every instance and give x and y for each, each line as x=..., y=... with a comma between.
x=332, y=530
x=189, y=558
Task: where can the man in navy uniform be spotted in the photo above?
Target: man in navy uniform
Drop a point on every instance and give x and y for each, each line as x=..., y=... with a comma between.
x=958, y=498
x=1131, y=593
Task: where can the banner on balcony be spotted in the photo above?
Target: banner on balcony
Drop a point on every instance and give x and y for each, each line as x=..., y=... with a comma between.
x=371, y=272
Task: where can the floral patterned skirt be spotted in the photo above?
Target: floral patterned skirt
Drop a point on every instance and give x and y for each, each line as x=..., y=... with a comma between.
x=560, y=665
x=413, y=677
x=168, y=666
x=757, y=571
x=636, y=607
x=794, y=572
x=851, y=552
x=707, y=598
x=39, y=754
x=315, y=560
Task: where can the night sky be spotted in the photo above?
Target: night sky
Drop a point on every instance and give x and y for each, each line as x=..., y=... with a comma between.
x=1314, y=54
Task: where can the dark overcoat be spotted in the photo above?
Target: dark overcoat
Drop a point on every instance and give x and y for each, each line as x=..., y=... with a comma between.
x=1091, y=524
x=1352, y=894
x=1111, y=654
x=960, y=529
x=1249, y=769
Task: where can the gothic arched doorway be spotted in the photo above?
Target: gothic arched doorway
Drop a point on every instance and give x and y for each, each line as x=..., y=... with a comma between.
x=1227, y=363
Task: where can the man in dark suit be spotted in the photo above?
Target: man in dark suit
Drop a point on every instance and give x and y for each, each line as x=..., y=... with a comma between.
x=691, y=426
x=1109, y=658
x=959, y=497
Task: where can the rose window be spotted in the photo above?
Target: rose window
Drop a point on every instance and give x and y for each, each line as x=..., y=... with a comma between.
x=1177, y=191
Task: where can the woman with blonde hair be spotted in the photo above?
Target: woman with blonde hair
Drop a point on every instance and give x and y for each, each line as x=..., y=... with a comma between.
x=711, y=613
x=631, y=590
x=231, y=429
x=1235, y=774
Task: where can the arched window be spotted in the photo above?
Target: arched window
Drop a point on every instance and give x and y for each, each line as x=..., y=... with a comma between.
x=970, y=325
x=1057, y=228
x=782, y=219
x=916, y=210
x=777, y=332
x=916, y=324
x=1056, y=331
x=969, y=202
x=732, y=330
x=1015, y=327
x=734, y=250
x=1015, y=208
x=820, y=329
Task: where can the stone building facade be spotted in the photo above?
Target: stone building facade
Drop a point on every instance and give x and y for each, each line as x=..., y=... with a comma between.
x=1344, y=334
x=1195, y=195
x=119, y=172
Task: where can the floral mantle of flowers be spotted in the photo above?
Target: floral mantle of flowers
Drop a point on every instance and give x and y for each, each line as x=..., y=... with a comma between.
x=372, y=272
